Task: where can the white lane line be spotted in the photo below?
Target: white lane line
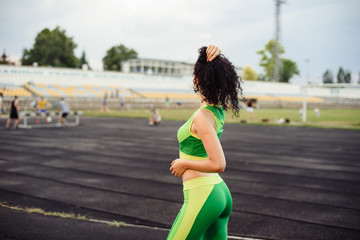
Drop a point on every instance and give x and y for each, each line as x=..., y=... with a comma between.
x=113, y=223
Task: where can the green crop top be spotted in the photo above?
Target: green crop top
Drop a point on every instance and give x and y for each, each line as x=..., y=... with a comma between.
x=190, y=145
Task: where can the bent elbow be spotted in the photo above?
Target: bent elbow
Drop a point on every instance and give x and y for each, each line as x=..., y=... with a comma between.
x=217, y=166
x=221, y=168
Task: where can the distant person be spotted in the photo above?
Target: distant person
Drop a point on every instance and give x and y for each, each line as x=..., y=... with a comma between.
x=104, y=106
x=1, y=100
x=250, y=109
x=317, y=112
x=65, y=109
x=179, y=104
x=122, y=102
x=155, y=117
x=41, y=107
x=207, y=200
x=167, y=102
x=34, y=106
x=14, y=109
x=301, y=113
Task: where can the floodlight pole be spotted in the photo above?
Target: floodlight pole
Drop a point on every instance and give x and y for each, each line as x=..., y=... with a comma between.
x=276, y=76
x=304, y=109
x=305, y=92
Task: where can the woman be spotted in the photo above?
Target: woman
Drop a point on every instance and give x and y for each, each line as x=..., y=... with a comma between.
x=207, y=200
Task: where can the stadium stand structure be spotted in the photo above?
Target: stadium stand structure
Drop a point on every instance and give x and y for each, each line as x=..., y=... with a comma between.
x=10, y=89
x=81, y=91
x=82, y=86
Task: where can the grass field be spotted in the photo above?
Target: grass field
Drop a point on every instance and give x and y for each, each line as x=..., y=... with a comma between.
x=332, y=118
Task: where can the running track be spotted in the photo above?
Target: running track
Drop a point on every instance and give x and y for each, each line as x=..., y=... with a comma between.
x=286, y=182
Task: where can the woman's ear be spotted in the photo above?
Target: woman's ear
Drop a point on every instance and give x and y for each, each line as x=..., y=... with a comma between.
x=196, y=80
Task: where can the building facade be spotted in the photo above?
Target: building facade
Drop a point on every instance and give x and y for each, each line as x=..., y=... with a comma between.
x=161, y=67
x=157, y=67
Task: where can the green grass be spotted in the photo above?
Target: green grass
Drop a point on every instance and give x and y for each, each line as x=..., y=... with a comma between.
x=166, y=114
x=45, y=213
x=117, y=224
x=330, y=118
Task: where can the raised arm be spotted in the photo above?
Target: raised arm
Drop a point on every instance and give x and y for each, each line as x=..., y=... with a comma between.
x=205, y=127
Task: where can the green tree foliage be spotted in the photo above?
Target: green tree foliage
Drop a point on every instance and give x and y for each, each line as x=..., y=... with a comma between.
x=288, y=68
x=262, y=77
x=51, y=48
x=82, y=60
x=115, y=55
x=343, y=76
x=3, y=59
x=347, y=78
x=249, y=73
x=328, y=77
x=267, y=60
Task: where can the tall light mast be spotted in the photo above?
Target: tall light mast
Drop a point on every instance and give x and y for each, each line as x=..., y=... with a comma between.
x=276, y=73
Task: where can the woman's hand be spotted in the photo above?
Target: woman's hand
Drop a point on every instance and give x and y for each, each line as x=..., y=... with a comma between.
x=212, y=52
x=178, y=167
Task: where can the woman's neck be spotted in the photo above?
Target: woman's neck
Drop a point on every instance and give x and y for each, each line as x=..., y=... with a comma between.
x=203, y=103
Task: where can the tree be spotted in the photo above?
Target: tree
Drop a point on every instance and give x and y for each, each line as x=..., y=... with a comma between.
x=288, y=68
x=249, y=73
x=117, y=54
x=343, y=76
x=347, y=78
x=82, y=60
x=328, y=77
x=262, y=77
x=51, y=48
x=267, y=60
x=3, y=59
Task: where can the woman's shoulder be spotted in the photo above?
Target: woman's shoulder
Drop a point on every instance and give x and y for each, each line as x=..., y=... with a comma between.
x=217, y=111
x=203, y=117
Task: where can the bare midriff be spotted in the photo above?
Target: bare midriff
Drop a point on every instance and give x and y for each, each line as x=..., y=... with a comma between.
x=190, y=174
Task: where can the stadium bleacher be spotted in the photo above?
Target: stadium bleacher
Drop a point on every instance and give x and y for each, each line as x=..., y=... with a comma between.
x=84, y=86
x=79, y=91
x=89, y=91
x=10, y=89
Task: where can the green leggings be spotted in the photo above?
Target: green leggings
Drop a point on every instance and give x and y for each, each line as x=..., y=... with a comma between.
x=205, y=212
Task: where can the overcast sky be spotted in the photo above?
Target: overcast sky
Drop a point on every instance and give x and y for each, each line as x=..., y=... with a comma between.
x=327, y=32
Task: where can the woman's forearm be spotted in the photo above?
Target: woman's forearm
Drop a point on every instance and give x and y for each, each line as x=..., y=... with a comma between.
x=206, y=165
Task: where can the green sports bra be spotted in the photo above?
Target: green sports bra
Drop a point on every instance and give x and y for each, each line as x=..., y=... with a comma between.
x=190, y=145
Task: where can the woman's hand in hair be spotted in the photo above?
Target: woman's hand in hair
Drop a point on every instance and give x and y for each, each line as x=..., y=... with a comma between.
x=212, y=52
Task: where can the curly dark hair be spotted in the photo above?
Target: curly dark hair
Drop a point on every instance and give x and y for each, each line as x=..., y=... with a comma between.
x=217, y=81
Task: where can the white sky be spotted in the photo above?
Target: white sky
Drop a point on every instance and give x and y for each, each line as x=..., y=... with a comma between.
x=327, y=32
